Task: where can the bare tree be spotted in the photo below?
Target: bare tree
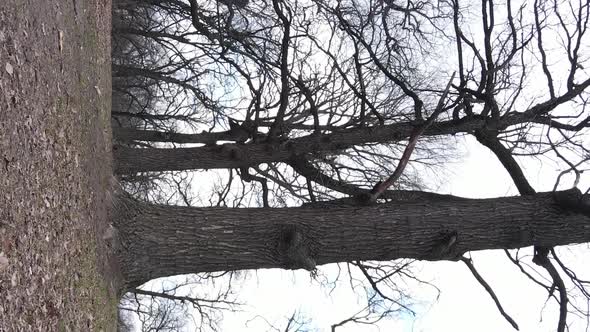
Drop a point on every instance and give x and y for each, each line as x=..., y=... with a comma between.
x=345, y=106
x=169, y=306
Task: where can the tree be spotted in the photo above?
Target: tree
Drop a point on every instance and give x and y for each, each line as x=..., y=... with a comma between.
x=166, y=310
x=225, y=239
x=326, y=103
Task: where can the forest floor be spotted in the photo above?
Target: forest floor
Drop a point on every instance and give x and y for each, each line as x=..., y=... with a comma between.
x=55, y=166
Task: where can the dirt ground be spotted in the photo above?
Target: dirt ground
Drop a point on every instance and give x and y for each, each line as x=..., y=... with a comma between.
x=55, y=165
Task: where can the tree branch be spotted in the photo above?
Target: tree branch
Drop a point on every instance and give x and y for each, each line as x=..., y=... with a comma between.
x=489, y=290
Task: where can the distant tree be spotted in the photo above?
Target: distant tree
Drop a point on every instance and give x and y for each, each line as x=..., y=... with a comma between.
x=157, y=315
x=124, y=321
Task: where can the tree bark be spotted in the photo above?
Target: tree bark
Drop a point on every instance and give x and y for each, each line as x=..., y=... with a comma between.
x=134, y=160
x=158, y=241
x=121, y=134
x=131, y=160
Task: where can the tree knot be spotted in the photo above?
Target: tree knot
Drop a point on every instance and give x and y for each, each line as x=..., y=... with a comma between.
x=573, y=201
x=294, y=249
x=444, y=247
x=234, y=152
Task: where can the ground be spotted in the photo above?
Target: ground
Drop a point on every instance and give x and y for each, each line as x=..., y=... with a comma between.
x=55, y=166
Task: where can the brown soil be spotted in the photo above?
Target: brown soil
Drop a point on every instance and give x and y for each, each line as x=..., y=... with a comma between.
x=55, y=166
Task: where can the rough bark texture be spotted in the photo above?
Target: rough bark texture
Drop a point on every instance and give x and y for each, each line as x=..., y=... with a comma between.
x=158, y=241
x=131, y=160
x=129, y=135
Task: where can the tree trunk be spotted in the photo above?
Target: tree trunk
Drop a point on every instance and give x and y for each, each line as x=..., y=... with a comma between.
x=158, y=241
x=121, y=134
x=131, y=160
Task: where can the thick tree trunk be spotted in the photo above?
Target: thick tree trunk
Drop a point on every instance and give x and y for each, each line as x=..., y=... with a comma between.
x=130, y=160
x=158, y=241
x=129, y=135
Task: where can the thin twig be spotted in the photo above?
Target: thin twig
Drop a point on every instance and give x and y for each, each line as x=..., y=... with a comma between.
x=490, y=291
